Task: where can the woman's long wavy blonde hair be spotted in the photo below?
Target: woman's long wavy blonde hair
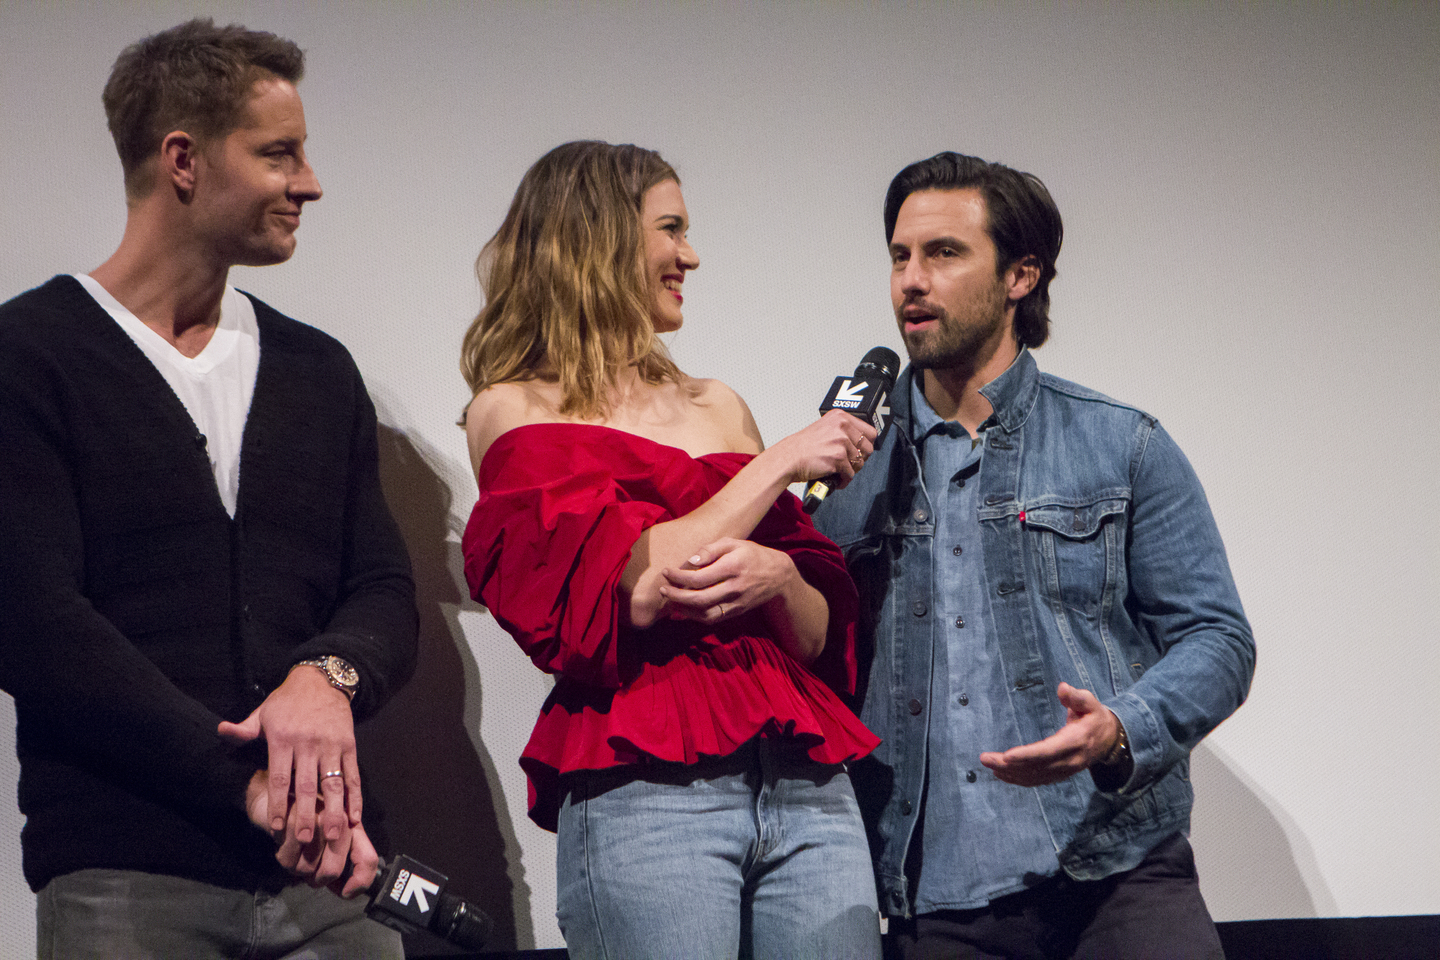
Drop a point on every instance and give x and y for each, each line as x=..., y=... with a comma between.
x=563, y=277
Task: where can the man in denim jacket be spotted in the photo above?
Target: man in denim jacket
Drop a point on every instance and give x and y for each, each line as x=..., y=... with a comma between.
x=1055, y=625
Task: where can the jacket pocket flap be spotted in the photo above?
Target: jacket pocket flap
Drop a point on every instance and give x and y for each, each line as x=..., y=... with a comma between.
x=1074, y=522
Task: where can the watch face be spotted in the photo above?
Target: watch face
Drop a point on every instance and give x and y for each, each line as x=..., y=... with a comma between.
x=341, y=672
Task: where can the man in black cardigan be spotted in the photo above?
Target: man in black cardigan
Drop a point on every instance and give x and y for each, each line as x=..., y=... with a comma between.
x=201, y=587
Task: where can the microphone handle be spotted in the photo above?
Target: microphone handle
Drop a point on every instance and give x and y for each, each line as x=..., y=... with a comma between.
x=816, y=493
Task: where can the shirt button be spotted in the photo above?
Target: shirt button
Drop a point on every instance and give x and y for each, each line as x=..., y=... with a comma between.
x=918, y=608
x=956, y=550
x=921, y=516
x=969, y=776
x=960, y=622
x=906, y=807
x=960, y=482
x=915, y=707
x=964, y=700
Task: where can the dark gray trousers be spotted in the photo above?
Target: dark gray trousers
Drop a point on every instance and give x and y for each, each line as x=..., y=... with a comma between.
x=1154, y=912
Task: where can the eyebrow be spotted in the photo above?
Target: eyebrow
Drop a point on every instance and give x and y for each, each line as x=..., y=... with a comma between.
x=928, y=246
x=282, y=142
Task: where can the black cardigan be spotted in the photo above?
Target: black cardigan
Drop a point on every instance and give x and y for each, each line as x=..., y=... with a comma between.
x=135, y=614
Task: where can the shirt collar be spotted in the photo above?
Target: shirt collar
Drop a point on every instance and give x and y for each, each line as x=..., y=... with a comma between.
x=1011, y=394
x=924, y=421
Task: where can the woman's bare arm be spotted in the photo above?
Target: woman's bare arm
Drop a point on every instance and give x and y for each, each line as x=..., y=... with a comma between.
x=687, y=564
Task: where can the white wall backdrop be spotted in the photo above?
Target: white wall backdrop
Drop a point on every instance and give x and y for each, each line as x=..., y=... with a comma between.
x=1251, y=195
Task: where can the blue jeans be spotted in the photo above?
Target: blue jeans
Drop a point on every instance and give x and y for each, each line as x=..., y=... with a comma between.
x=130, y=915
x=761, y=854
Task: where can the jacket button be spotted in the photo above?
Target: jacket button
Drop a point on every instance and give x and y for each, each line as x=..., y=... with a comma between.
x=964, y=700
x=960, y=622
x=921, y=516
x=915, y=707
x=969, y=776
x=918, y=608
x=906, y=807
x=956, y=550
x=960, y=482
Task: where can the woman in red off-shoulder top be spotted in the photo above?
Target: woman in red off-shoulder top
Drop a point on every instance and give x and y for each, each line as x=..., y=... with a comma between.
x=637, y=540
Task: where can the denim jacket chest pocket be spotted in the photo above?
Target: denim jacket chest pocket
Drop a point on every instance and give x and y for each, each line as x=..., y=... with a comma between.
x=1078, y=546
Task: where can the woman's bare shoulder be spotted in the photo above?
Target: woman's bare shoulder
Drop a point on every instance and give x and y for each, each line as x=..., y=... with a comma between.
x=503, y=407
x=727, y=413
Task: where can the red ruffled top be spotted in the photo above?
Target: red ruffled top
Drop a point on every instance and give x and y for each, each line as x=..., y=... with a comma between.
x=560, y=507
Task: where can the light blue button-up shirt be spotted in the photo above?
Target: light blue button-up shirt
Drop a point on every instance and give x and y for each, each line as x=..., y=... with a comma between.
x=981, y=838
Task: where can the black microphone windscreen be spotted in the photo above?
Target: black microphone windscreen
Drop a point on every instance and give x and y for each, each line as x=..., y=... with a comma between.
x=884, y=360
x=460, y=923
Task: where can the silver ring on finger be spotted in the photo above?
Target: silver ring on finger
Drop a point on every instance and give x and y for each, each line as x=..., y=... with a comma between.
x=332, y=773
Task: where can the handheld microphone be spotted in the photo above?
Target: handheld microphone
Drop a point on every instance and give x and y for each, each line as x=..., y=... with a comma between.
x=409, y=896
x=863, y=394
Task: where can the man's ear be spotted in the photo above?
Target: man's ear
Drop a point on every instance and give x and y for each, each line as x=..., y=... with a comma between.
x=179, y=154
x=1021, y=277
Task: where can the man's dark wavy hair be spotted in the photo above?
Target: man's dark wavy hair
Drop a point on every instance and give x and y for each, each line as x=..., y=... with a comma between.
x=1022, y=221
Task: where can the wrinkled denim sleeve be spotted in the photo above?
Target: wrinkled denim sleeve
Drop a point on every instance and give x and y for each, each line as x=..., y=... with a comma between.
x=1182, y=595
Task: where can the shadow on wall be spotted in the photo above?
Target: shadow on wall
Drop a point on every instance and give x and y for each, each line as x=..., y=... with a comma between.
x=436, y=785
x=1254, y=862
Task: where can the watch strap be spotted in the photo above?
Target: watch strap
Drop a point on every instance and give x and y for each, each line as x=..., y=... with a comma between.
x=333, y=668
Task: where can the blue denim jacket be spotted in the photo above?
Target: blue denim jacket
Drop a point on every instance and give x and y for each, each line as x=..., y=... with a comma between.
x=1105, y=570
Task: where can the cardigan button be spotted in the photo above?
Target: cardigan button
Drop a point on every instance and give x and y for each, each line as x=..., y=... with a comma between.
x=969, y=776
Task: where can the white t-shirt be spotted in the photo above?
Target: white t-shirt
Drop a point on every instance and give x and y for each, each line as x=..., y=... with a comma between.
x=216, y=386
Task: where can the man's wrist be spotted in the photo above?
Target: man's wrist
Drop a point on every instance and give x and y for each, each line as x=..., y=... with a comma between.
x=1114, y=770
x=337, y=672
x=1120, y=750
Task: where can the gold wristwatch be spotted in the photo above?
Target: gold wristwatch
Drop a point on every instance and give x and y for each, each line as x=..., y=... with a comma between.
x=341, y=675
